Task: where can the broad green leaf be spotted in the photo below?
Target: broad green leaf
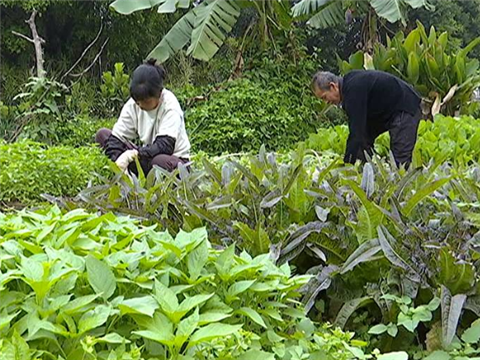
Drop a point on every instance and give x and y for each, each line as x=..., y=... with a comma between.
x=458, y=277
x=212, y=331
x=349, y=308
x=392, y=256
x=212, y=317
x=392, y=330
x=197, y=259
x=370, y=217
x=253, y=315
x=191, y=302
x=307, y=7
x=127, y=7
x=18, y=349
x=392, y=10
x=214, y=19
x=185, y=328
x=363, y=253
x=159, y=329
x=114, y=338
x=176, y=38
x=239, y=287
x=77, y=304
x=407, y=322
x=165, y=297
x=100, y=277
x=411, y=42
x=423, y=193
x=438, y=355
x=377, y=329
x=400, y=355
x=5, y=319
x=161, y=337
x=413, y=68
x=472, y=334
x=93, y=318
x=145, y=305
x=330, y=14
x=256, y=355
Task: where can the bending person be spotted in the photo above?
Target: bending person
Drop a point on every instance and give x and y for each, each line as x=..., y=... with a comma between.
x=375, y=102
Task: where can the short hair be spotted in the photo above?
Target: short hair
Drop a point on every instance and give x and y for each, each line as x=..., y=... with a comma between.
x=147, y=81
x=322, y=79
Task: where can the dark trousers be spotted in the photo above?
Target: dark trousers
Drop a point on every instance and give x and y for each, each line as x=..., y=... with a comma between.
x=403, y=129
x=167, y=162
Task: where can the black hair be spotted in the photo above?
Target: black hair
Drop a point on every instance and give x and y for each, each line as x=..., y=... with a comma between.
x=147, y=81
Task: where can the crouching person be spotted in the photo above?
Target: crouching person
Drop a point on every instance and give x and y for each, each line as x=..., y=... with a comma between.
x=152, y=114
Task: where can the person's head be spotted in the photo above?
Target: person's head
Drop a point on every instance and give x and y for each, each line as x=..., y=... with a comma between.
x=326, y=86
x=147, y=85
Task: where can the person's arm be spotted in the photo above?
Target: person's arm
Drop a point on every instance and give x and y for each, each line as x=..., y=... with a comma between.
x=166, y=137
x=163, y=144
x=114, y=147
x=356, y=108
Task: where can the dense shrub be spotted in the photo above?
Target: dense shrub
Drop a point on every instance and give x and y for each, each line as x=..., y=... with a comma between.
x=81, y=130
x=245, y=115
x=30, y=169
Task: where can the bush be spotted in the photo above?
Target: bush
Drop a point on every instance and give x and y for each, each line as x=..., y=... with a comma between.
x=106, y=288
x=245, y=115
x=30, y=169
x=81, y=130
x=272, y=105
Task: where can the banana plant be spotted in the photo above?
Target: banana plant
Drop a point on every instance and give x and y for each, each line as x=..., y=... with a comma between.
x=328, y=13
x=207, y=23
x=321, y=14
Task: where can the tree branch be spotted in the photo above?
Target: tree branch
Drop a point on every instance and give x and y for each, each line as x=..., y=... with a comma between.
x=93, y=62
x=83, y=53
x=23, y=36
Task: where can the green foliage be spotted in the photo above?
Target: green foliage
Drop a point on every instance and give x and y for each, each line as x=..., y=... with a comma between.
x=82, y=286
x=115, y=88
x=409, y=317
x=39, y=108
x=324, y=14
x=362, y=231
x=445, y=78
x=81, y=130
x=450, y=139
x=465, y=347
x=245, y=115
x=457, y=18
x=31, y=169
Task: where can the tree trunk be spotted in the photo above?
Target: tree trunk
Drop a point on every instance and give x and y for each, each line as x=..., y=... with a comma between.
x=38, y=42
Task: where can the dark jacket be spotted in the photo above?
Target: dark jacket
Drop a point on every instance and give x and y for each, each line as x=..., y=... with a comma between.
x=371, y=98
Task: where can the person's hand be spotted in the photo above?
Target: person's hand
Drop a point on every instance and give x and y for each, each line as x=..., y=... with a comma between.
x=126, y=158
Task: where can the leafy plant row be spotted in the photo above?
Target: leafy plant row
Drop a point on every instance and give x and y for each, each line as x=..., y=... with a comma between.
x=30, y=169
x=363, y=232
x=82, y=286
x=446, y=139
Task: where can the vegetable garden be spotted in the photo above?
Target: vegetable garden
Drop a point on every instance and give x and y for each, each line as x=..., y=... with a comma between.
x=268, y=246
